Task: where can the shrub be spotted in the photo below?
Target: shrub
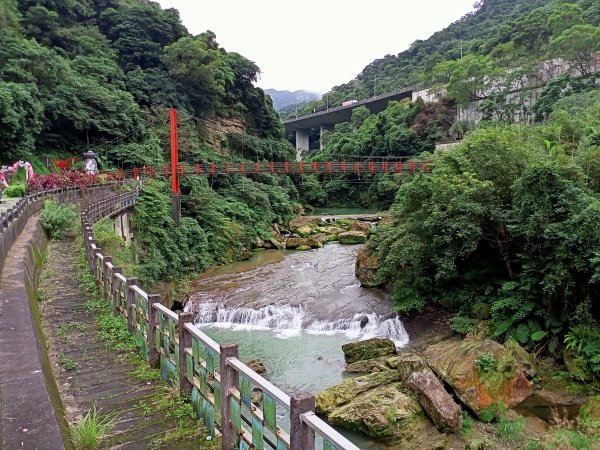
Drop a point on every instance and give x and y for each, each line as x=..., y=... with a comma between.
x=486, y=363
x=16, y=190
x=58, y=219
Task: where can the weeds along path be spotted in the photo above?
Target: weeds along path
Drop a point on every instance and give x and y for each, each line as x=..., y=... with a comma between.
x=95, y=364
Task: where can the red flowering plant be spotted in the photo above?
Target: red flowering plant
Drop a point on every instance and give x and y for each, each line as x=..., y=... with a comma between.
x=72, y=178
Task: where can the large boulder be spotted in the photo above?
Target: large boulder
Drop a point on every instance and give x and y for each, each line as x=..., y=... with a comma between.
x=368, y=349
x=344, y=392
x=439, y=405
x=482, y=373
x=409, y=362
x=304, y=221
x=365, y=227
x=524, y=359
x=352, y=237
x=296, y=242
x=378, y=412
x=318, y=240
x=369, y=365
x=366, y=267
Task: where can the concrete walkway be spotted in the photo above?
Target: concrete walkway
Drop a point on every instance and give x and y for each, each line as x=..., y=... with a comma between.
x=27, y=420
x=88, y=373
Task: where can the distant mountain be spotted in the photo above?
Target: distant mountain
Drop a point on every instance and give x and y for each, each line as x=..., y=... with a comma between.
x=281, y=99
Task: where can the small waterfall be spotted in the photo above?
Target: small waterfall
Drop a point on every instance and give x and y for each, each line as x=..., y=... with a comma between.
x=288, y=321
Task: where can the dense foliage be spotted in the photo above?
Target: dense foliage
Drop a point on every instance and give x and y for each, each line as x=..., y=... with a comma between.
x=100, y=74
x=403, y=130
x=507, y=222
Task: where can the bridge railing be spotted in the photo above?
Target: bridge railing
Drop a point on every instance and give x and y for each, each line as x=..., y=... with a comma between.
x=232, y=400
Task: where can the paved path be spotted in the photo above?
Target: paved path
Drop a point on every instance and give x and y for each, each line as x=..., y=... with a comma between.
x=27, y=417
x=103, y=377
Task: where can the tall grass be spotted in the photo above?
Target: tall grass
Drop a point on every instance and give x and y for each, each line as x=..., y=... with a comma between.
x=92, y=429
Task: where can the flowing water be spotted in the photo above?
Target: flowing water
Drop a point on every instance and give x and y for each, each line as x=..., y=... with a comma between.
x=295, y=310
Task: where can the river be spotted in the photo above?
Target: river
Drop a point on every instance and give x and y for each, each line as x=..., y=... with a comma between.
x=295, y=310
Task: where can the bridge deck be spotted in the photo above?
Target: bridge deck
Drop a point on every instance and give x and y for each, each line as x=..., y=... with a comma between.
x=104, y=376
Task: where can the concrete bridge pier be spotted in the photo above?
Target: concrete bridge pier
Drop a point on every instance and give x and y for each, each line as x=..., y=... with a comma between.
x=324, y=127
x=302, y=143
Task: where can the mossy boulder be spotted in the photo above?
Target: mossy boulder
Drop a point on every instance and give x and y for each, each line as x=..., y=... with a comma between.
x=346, y=391
x=576, y=368
x=296, y=242
x=318, y=240
x=378, y=412
x=439, y=405
x=304, y=231
x=303, y=248
x=366, y=267
x=409, y=362
x=483, y=374
x=352, y=237
x=369, y=365
x=304, y=221
x=365, y=227
x=524, y=359
x=368, y=349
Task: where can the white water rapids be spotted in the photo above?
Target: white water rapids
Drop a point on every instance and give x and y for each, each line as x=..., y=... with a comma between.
x=288, y=321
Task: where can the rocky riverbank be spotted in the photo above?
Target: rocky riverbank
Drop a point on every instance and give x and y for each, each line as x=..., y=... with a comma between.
x=470, y=393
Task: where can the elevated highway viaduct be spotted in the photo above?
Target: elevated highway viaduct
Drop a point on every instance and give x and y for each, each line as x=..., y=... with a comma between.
x=326, y=120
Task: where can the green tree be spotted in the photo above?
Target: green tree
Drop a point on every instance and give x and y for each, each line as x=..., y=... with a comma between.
x=577, y=45
x=199, y=69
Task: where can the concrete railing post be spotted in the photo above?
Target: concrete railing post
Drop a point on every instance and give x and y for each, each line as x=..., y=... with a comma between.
x=129, y=303
x=301, y=435
x=153, y=353
x=185, y=341
x=106, y=277
x=115, y=293
x=94, y=255
x=229, y=380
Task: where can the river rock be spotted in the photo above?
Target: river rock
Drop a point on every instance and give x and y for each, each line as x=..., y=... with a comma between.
x=257, y=365
x=454, y=361
x=365, y=227
x=409, y=362
x=368, y=365
x=296, y=242
x=305, y=231
x=378, y=412
x=368, y=349
x=303, y=248
x=545, y=402
x=318, y=240
x=352, y=237
x=276, y=243
x=304, y=221
x=439, y=405
x=344, y=392
x=365, y=268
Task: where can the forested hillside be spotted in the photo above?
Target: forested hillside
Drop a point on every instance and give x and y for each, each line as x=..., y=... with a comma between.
x=498, y=37
x=101, y=75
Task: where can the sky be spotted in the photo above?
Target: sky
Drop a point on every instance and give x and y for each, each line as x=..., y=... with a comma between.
x=316, y=44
